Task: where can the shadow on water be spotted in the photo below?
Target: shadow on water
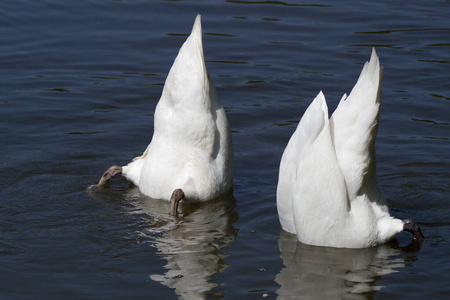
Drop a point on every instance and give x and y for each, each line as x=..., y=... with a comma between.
x=313, y=272
x=193, y=244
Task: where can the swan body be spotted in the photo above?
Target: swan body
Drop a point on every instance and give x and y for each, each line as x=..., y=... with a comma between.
x=191, y=145
x=327, y=191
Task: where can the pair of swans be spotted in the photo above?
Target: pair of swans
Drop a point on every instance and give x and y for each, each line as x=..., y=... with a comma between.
x=327, y=191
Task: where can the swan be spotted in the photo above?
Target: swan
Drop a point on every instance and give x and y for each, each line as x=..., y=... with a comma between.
x=190, y=155
x=327, y=192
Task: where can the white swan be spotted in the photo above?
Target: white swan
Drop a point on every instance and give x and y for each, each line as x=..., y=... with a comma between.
x=190, y=155
x=327, y=190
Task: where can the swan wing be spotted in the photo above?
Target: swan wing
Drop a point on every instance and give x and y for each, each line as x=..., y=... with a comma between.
x=354, y=126
x=320, y=203
x=307, y=130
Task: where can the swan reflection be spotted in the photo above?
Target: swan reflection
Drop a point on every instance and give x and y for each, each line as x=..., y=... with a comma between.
x=192, y=244
x=313, y=272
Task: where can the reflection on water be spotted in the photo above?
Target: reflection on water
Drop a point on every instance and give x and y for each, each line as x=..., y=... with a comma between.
x=192, y=245
x=313, y=272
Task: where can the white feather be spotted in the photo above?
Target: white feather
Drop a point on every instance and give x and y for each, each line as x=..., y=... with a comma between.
x=191, y=146
x=327, y=190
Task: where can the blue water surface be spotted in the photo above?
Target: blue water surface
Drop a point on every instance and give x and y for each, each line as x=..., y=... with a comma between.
x=79, y=82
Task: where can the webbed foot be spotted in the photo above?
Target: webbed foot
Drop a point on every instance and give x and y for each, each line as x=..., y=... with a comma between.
x=108, y=174
x=411, y=226
x=177, y=196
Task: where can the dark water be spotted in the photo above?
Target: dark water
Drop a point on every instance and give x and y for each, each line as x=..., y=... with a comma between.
x=79, y=82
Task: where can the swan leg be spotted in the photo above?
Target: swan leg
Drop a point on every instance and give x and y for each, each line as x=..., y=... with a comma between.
x=177, y=196
x=411, y=226
x=108, y=174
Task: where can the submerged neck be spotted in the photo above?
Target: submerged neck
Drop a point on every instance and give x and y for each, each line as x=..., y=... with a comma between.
x=177, y=196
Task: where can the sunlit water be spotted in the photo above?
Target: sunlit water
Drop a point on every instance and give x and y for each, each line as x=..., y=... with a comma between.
x=79, y=82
